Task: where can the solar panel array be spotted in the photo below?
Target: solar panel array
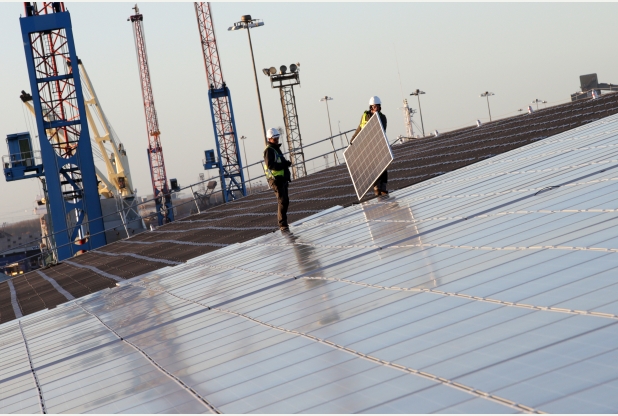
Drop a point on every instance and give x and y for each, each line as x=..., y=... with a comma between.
x=489, y=289
x=368, y=156
x=252, y=216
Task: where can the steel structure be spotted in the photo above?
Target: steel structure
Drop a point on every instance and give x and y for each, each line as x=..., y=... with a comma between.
x=285, y=82
x=106, y=146
x=64, y=137
x=160, y=186
x=407, y=118
x=228, y=152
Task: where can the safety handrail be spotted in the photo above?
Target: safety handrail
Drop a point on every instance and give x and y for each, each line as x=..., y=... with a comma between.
x=141, y=217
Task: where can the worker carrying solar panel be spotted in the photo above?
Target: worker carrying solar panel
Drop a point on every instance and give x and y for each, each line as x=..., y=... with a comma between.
x=277, y=171
x=375, y=106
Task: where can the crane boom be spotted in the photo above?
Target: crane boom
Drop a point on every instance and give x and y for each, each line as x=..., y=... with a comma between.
x=222, y=113
x=161, y=191
x=112, y=151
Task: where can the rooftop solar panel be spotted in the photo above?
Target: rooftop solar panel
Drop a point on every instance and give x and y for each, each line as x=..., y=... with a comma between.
x=250, y=217
x=368, y=156
x=489, y=289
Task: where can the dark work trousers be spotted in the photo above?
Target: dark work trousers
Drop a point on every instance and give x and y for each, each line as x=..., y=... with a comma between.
x=280, y=186
x=382, y=179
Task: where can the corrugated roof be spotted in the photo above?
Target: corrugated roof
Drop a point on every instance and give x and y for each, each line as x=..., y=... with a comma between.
x=489, y=289
x=254, y=216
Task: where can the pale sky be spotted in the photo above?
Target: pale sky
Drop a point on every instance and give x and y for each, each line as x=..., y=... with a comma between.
x=349, y=51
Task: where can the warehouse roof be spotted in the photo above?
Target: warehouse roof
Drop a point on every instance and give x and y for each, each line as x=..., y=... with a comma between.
x=253, y=216
x=488, y=289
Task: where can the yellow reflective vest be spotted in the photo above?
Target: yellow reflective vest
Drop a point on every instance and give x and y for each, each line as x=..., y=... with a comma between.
x=365, y=119
x=271, y=174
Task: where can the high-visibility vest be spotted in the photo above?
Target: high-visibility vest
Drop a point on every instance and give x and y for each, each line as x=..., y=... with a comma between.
x=270, y=174
x=365, y=119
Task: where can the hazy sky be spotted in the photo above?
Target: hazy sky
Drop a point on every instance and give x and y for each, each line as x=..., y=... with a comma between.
x=349, y=51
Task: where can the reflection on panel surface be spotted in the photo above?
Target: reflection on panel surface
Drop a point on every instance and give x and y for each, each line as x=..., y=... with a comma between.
x=490, y=289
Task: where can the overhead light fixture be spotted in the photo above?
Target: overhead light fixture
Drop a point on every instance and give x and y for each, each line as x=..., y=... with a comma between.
x=266, y=71
x=293, y=67
x=283, y=69
x=273, y=70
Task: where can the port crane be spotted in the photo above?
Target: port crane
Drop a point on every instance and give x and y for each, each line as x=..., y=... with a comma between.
x=228, y=159
x=64, y=136
x=160, y=186
x=117, y=177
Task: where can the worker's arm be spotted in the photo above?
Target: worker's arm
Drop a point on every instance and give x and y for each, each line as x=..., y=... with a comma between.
x=358, y=129
x=270, y=159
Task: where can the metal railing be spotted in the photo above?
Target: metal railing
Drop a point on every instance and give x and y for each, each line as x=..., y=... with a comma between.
x=23, y=159
x=261, y=162
x=147, y=217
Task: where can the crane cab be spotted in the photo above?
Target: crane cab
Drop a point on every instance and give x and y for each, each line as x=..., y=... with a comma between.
x=210, y=161
x=22, y=162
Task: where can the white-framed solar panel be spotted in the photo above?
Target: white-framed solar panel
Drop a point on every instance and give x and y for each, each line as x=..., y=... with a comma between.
x=368, y=156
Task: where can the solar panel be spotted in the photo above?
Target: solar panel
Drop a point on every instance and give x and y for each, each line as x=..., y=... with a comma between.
x=368, y=156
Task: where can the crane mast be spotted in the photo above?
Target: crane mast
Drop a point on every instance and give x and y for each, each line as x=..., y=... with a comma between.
x=222, y=113
x=64, y=137
x=110, y=150
x=161, y=191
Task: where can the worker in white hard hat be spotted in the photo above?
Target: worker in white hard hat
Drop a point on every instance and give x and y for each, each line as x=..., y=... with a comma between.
x=375, y=106
x=277, y=171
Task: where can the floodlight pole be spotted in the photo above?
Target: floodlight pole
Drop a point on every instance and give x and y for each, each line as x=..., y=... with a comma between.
x=285, y=83
x=326, y=98
x=418, y=95
x=487, y=94
x=246, y=23
x=257, y=88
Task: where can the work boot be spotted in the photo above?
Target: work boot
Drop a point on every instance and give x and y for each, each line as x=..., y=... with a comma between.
x=284, y=229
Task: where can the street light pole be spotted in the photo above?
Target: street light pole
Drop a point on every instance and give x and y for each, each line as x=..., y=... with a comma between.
x=242, y=138
x=537, y=101
x=418, y=95
x=247, y=23
x=326, y=99
x=487, y=94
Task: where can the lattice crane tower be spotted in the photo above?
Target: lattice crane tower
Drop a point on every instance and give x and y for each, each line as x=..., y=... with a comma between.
x=64, y=137
x=160, y=187
x=228, y=151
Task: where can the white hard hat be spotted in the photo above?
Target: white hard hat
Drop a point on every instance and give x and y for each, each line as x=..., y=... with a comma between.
x=375, y=100
x=272, y=133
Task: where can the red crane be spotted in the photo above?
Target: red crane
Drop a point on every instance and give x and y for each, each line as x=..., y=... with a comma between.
x=229, y=164
x=160, y=186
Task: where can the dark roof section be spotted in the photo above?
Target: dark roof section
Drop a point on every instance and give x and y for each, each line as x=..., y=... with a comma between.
x=253, y=216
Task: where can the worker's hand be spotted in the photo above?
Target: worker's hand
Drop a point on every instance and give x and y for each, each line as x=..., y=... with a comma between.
x=289, y=163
